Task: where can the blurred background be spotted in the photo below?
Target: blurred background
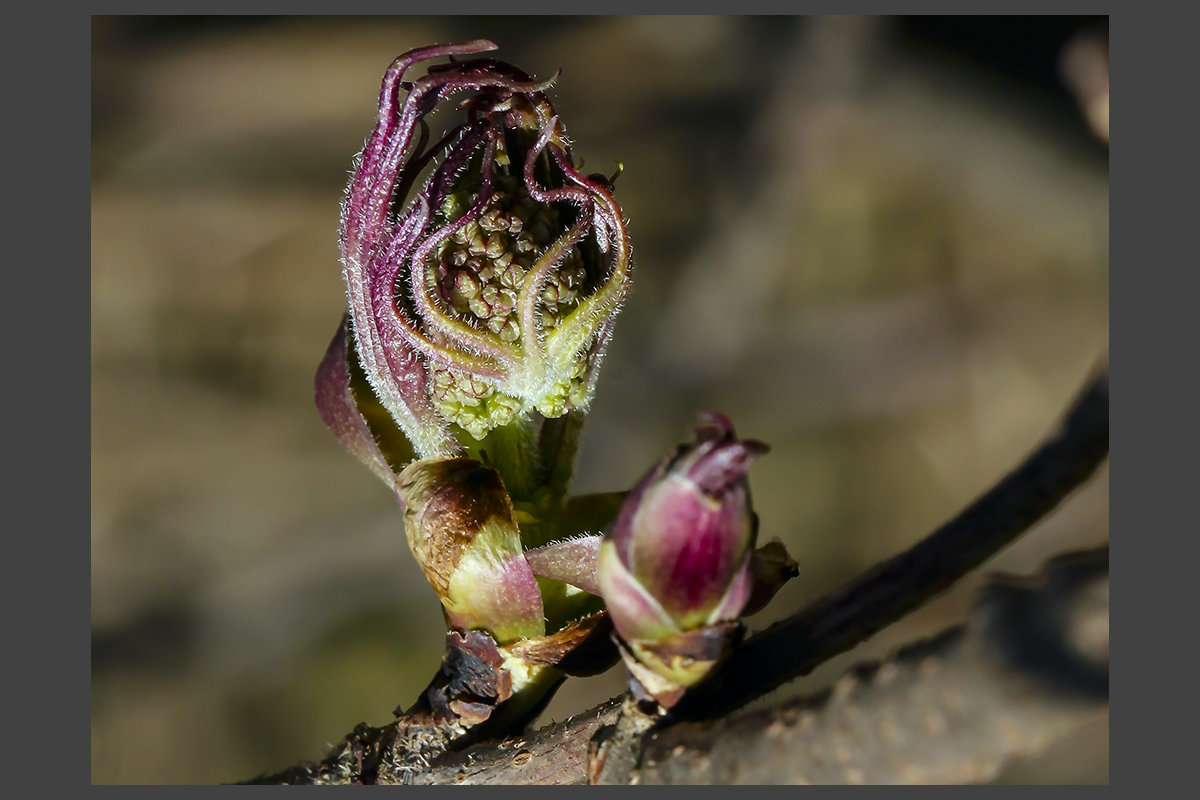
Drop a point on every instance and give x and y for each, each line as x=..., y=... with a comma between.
x=879, y=244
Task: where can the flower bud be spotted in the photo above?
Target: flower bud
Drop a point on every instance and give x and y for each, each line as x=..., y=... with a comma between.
x=461, y=529
x=488, y=294
x=678, y=563
x=678, y=556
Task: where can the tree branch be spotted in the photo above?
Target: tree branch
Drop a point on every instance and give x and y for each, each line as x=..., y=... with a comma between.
x=790, y=648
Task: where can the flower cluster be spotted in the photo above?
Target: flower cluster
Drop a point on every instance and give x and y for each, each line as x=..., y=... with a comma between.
x=488, y=295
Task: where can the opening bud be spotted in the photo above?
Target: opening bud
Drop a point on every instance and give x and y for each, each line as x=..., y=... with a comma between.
x=486, y=294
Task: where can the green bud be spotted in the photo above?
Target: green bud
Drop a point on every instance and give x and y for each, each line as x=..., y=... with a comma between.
x=462, y=531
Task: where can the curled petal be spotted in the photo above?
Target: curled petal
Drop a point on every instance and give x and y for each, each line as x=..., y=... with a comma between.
x=394, y=370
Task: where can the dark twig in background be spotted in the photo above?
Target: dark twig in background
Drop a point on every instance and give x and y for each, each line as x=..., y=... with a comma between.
x=953, y=709
x=892, y=589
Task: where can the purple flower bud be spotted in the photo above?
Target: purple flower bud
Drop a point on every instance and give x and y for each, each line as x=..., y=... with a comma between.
x=678, y=555
x=486, y=294
x=678, y=567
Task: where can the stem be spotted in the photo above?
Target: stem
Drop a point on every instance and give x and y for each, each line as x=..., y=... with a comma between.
x=513, y=454
x=558, y=445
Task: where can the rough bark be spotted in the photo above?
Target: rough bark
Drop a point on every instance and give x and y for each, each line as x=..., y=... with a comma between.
x=953, y=709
